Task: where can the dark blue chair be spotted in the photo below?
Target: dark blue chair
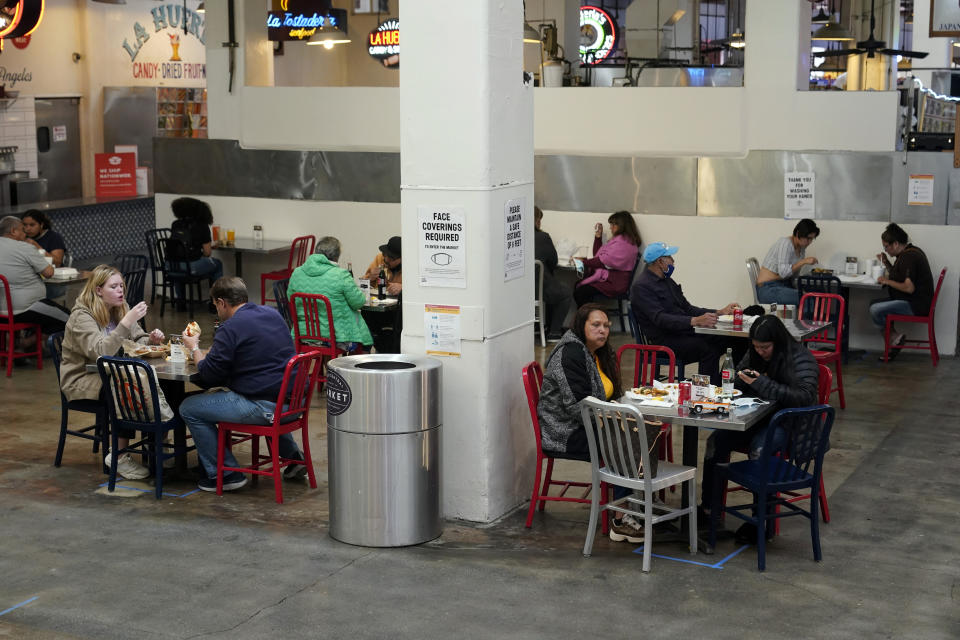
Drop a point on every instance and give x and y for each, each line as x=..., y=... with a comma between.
x=97, y=407
x=156, y=266
x=133, y=267
x=640, y=338
x=133, y=401
x=797, y=465
x=177, y=274
x=283, y=304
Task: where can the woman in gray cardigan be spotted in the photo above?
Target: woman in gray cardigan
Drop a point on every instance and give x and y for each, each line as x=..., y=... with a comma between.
x=99, y=323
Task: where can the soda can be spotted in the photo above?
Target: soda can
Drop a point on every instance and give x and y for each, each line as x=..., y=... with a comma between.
x=737, y=318
x=686, y=390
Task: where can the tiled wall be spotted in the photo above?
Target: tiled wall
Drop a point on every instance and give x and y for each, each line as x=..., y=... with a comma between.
x=18, y=127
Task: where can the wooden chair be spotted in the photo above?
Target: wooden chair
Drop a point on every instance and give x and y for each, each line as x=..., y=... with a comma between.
x=931, y=341
x=826, y=307
x=8, y=333
x=532, y=381
x=291, y=414
x=300, y=250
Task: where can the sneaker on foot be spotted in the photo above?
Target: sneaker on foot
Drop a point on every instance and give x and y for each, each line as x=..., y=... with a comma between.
x=295, y=471
x=627, y=529
x=127, y=467
x=231, y=482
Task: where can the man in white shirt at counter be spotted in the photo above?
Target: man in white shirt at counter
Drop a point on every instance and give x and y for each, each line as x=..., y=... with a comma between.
x=22, y=265
x=784, y=261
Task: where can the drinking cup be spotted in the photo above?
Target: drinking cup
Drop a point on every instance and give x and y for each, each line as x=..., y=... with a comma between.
x=877, y=272
x=215, y=232
x=231, y=236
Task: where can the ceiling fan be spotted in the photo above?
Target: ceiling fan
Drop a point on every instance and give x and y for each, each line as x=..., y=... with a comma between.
x=871, y=46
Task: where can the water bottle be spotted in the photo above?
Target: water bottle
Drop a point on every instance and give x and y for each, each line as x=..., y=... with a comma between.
x=350, y=268
x=726, y=374
x=381, y=284
x=258, y=236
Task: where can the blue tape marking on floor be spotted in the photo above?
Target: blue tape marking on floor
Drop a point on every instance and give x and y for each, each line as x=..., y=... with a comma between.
x=165, y=493
x=716, y=565
x=17, y=606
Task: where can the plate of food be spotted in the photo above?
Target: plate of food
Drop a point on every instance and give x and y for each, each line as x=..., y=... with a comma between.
x=151, y=350
x=716, y=392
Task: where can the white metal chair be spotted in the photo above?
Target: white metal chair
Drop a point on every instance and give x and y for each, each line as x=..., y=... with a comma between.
x=539, y=309
x=607, y=425
x=753, y=272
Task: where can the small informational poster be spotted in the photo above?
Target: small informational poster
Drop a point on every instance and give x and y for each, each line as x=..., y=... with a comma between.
x=799, y=195
x=513, y=245
x=59, y=133
x=116, y=175
x=441, y=326
x=441, y=240
x=920, y=190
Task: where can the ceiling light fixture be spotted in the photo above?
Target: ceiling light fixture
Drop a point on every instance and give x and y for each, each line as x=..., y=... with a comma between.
x=328, y=36
x=833, y=30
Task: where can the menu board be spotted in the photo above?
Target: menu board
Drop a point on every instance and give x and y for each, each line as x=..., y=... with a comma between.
x=936, y=115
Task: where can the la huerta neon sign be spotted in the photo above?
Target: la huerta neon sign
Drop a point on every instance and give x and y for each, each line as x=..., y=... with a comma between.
x=171, y=16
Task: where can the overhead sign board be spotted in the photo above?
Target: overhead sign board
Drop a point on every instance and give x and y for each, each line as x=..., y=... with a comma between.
x=383, y=43
x=944, y=18
x=300, y=19
x=598, y=35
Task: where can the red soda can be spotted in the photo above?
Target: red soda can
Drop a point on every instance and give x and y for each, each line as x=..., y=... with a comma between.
x=737, y=318
x=686, y=390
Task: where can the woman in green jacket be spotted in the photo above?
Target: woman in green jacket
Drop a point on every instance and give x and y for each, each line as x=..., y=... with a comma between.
x=321, y=274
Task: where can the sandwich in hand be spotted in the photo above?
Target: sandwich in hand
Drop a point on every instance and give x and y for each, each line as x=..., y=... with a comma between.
x=193, y=329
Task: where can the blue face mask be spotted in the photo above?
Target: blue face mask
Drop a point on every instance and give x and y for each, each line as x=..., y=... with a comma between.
x=668, y=272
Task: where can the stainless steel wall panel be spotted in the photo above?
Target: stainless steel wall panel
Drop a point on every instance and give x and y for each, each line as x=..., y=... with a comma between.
x=940, y=166
x=222, y=168
x=850, y=186
x=665, y=186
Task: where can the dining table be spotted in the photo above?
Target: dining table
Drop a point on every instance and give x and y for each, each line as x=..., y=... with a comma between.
x=241, y=246
x=82, y=276
x=739, y=419
x=797, y=328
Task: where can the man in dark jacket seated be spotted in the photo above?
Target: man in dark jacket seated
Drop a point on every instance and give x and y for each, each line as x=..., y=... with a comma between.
x=666, y=318
x=249, y=354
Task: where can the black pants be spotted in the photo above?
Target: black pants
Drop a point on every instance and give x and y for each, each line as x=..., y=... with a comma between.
x=556, y=298
x=51, y=316
x=586, y=293
x=706, y=351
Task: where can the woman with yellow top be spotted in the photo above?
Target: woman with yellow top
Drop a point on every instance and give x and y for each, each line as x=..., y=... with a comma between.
x=582, y=364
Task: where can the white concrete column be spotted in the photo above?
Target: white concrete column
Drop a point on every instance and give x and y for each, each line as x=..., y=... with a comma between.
x=939, y=47
x=467, y=142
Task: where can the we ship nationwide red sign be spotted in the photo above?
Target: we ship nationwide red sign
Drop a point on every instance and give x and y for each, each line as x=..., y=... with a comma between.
x=116, y=174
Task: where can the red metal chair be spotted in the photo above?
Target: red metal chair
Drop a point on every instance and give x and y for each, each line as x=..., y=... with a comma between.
x=532, y=381
x=291, y=414
x=300, y=250
x=931, y=341
x=645, y=368
x=305, y=308
x=8, y=333
x=826, y=307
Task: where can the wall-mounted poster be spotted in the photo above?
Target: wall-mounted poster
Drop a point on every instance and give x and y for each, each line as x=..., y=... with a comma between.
x=944, y=18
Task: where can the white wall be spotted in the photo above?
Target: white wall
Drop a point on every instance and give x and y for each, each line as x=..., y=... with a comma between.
x=710, y=263
x=47, y=58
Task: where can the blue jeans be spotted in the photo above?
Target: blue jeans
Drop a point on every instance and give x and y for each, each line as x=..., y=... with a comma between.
x=880, y=309
x=777, y=292
x=202, y=411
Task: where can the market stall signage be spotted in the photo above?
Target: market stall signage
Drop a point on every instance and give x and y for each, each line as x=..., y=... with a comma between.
x=300, y=19
x=598, y=35
x=383, y=43
x=944, y=19
x=177, y=23
x=116, y=174
x=20, y=18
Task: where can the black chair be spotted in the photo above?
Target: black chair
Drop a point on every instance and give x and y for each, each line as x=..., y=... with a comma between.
x=172, y=253
x=133, y=402
x=156, y=265
x=798, y=465
x=97, y=407
x=819, y=283
x=280, y=296
x=624, y=298
x=640, y=338
x=134, y=268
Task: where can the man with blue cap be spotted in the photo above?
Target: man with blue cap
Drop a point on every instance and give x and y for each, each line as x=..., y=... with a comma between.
x=666, y=318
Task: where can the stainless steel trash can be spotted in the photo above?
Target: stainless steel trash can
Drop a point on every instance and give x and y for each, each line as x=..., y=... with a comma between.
x=383, y=448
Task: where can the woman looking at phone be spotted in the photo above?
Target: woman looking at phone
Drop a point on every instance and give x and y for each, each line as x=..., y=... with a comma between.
x=775, y=368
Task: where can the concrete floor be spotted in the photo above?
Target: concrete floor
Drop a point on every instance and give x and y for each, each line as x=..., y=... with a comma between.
x=83, y=564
